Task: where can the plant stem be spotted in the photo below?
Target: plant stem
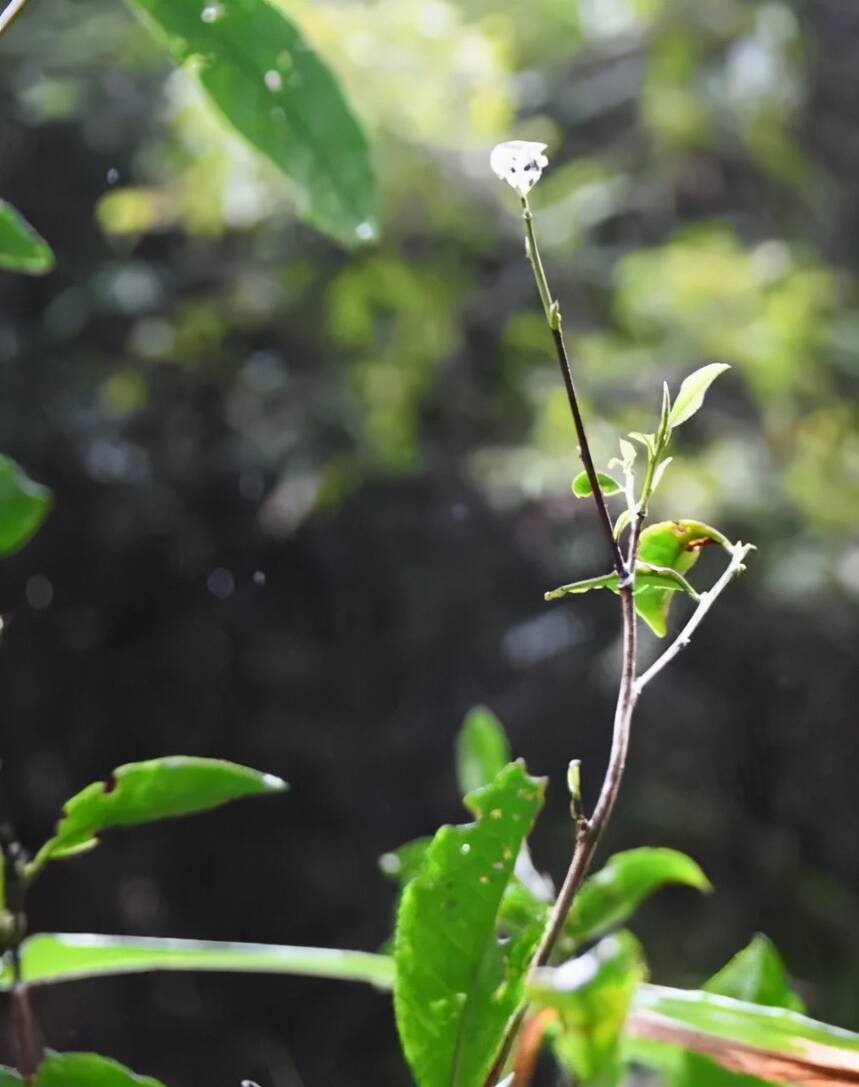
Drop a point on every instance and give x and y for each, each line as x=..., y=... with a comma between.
x=553, y=317
x=15, y=7
x=734, y=567
x=589, y=831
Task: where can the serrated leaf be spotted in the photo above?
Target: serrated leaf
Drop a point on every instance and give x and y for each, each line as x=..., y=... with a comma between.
x=610, y=896
x=456, y=985
x=581, y=485
x=24, y=505
x=592, y=995
x=87, y=1070
x=21, y=248
x=255, y=65
x=482, y=750
x=145, y=792
x=693, y=390
x=756, y=974
x=50, y=958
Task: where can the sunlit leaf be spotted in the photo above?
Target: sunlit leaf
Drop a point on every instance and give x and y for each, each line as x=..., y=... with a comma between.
x=592, y=995
x=23, y=506
x=21, y=248
x=693, y=390
x=610, y=896
x=253, y=62
x=456, y=985
x=482, y=750
x=757, y=975
x=50, y=958
x=582, y=485
x=87, y=1070
x=144, y=792
x=773, y=1043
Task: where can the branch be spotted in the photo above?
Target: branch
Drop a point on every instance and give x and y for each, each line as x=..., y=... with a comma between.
x=553, y=317
x=9, y=12
x=735, y=566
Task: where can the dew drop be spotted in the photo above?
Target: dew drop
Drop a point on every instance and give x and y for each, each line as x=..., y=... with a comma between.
x=112, y=175
x=221, y=583
x=212, y=12
x=365, y=231
x=259, y=577
x=273, y=80
x=465, y=849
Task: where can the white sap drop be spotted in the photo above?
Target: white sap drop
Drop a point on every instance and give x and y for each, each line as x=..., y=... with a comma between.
x=365, y=231
x=112, y=175
x=212, y=12
x=273, y=80
x=465, y=849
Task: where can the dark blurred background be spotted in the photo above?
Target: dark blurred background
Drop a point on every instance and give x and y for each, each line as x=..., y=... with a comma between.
x=307, y=502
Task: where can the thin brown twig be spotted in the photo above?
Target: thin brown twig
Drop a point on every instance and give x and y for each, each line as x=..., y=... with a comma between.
x=706, y=601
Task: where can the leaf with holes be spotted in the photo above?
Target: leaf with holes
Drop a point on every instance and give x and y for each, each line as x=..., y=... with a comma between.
x=145, y=792
x=21, y=248
x=23, y=506
x=457, y=985
x=254, y=64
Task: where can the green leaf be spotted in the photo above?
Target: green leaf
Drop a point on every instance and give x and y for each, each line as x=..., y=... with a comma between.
x=659, y=472
x=46, y=959
x=23, y=506
x=610, y=896
x=692, y=392
x=9, y=1077
x=144, y=792
x=756, y=974
x=647, y=577
x=254, y=64
x=582, y=485
x=482, y=750
x=87, y=1070
x=592, y=995
x=623, y=520
x=21, y=248
x=404, y=863
x=647, y=440
x=663, y=1018
x=674, y=545
x=456, y=985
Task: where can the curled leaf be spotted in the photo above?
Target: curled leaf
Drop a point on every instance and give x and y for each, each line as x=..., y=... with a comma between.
x=581, y=485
